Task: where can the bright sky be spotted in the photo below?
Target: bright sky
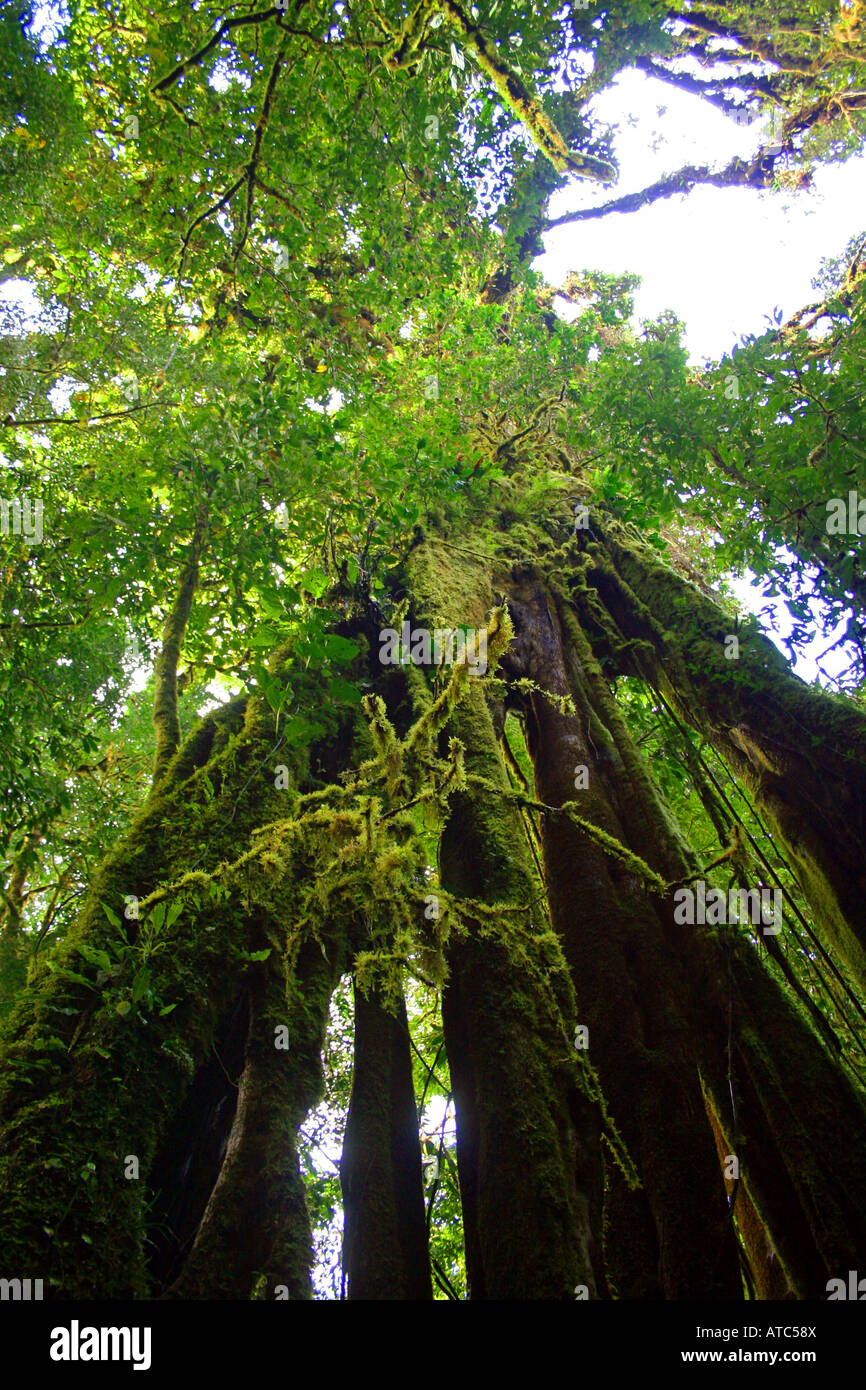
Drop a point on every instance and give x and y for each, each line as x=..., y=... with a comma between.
x=721, y=258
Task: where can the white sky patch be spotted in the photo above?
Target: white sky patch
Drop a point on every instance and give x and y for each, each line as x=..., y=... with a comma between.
x=434, y=1113
x=814, y=660
x=335, y=400
x=19, y=298
x=61, y=394
x=224, y=75
x=721, y=258
x=48, y=22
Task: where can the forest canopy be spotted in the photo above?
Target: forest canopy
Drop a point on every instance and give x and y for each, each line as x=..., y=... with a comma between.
x=419, y=877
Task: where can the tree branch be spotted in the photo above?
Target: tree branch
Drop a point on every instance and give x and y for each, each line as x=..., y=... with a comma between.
x=756, y=174
x=195, y=59
x=9, y=422
x=208, y=212
x=165, y=716
x=761, y=48
x=261, y=126
x=703, y=86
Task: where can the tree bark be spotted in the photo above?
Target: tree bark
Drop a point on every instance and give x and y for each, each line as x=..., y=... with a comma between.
x=528, y=1154
x=628, y=985
x=801, y=752
x=254, y=1238
x=385, y=1253
x=791, y=1095
x=83, y=1119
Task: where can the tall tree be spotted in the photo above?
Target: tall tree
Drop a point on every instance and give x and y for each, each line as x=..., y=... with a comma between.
x=297, y=421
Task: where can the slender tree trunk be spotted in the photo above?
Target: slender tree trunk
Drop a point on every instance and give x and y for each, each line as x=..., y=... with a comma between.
x=385, y=1252
x=765, y=1179
x=165, y=717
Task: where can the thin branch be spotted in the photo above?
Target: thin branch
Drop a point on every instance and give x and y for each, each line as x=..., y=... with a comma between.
x=444, y=1282
x=261, y=126
x=756, y=174
x=195, y=59
x=703, y=86
x=226, y=198
x=761, y=48
x=281, y=197
x=165, y=716
x=10, y=423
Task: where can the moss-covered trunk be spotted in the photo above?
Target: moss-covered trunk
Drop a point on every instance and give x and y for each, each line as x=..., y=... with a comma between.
x=113, y=1032
x=767, y=1279
x=628, y=985
x=528, y=1136
x=802, y=752
x=254, y=1237
x=779, y=1096
x=528, y=1152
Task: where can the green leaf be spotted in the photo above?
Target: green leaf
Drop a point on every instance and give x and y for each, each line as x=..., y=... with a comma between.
x=157, y=917
x=344, y=691
x=94, y=956
x=65, y=974
x=140, y=984
x=173, y=913
x=316, y=581
x=339, y=648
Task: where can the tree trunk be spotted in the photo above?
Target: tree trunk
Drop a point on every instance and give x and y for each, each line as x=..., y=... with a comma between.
x=528, y=1153
x=385, y=1253
x=802, y=752
x=791, y=1096
x=254, y=1237
x=627, y=983
x=83, y=1118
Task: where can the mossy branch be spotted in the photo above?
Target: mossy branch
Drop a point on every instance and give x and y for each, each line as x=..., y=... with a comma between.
x=524, y=105
x=609, y=843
